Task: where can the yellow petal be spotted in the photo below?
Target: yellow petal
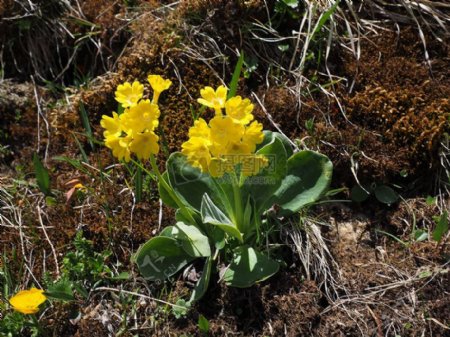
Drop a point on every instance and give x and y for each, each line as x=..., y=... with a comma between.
x=129, y=94
x=28, y=301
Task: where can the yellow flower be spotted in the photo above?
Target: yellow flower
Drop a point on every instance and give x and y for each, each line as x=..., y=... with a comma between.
x=224, y=131
x=111, y=124
x=144, y=144
x=129, y=94
x=119, y=146
x=238, y=148
x=140, y=117
x=28, y=301
x=197, y=152
x=214, y=99
x=253, y=135
x=200, y=129
x=158, y=85
x=239, y=109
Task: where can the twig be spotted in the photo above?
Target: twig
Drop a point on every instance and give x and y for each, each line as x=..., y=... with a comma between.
x=48, y=240
x=138, y=295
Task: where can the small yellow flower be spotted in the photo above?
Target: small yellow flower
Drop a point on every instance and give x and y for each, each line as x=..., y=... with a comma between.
x=140, y=117
x=238, y=148
x=158, y=85
x=144, y=144
x=197, y=152
x=253, y=135
x=28, y=301
x=119, y=146
x=224, y=131
x=239, y=109
x=200, y=129
x=112, y=125
x=129, y=94
x=214, y=99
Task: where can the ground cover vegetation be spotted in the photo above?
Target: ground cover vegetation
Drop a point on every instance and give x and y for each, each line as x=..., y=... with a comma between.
x=219, y=168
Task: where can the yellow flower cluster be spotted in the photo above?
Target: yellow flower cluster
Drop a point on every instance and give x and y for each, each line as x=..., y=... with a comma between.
x=228, y=139
x=28, y=301
x=133, y=131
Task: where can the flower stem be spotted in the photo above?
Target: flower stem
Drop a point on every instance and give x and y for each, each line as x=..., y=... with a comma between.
x=238, y=212
x=170, y=190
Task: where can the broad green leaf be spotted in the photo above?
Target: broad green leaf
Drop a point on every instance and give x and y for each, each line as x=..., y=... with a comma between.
x=270, y=135
x=359, y=194
x=189, y=182
x=308, y=177
x=202, y=284
x=218, y=236
x=61, y=290
x=194, y=242
x=170, y=232
x=180, y=215
x=211, y=214
x=249, y=267
x=164, y=194
x=385, y=194
x=262, y=186
x=441, y=226
x=42, y=176
x=160, y=258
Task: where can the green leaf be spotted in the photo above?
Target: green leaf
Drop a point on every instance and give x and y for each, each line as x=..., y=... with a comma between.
x=283, y=47
x=212, y=215
x=164, y=194
x=263, y=185
x=308, y=177
x=236, y=75
x=181, y=308
x=324, y=18
x=122, y=276
x=420, y=235
x=249, y=267
x=86, y=125
x=188, y=182
x=291, y=3
x=270, y=135
x=203, y=324
x=359, y=194
x=385, y=194
x=194, y=242
x=441, y=226
x=218, y=237
x=160, y=258
x=61, y=290
x=42, y=176
x=202, y=284
x=80, y=289
x=430, y=200
x=170, y=232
